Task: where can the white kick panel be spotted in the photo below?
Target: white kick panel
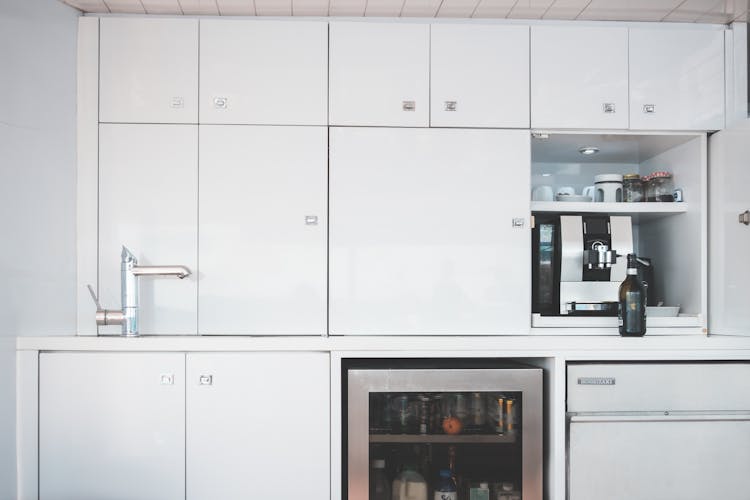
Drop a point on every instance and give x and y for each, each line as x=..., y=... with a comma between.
x=111, y=425
x=148, y=70
x=263, y=220
x=264, y=72
x=422, y=231
x=258, y=426
x=148, y=201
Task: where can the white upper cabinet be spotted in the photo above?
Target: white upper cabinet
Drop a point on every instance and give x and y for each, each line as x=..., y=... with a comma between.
x=148, y=201
x=579, y=77
x=676, y=79
x=258, y=426
x=429, y=231
x=479, y=76
x=112, y=425
x=263, y=72
x=729, y=242
x=379, y=74
x=263, y=220
x=148, y=70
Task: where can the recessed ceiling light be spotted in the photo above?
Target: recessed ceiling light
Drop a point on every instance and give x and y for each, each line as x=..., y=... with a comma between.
x=588, y=150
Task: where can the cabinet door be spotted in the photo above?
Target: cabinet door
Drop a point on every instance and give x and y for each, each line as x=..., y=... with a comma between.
x=479, y=76
x=148, y=201
x=111, y=425
x=676, y=79
x=264, y=72
x=422, y=231
x=148, y=70
x=258, y=426
x=379, y=74
x=729, y=237
x=263, y=230
x=579, y=77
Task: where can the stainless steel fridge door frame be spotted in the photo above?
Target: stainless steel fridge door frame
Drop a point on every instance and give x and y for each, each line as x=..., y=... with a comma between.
x=361, y=382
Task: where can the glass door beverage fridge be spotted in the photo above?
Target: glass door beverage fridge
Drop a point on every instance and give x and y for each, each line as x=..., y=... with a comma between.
x=442, y=429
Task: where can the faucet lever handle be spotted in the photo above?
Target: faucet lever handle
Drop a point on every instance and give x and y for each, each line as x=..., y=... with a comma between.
x=93, y=296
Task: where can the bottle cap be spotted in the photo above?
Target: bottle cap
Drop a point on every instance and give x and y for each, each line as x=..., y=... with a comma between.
x=378, y=463
x=484, y=486
x=632, y=261
x=630, y=177
x=661, y=175
x=445, y=473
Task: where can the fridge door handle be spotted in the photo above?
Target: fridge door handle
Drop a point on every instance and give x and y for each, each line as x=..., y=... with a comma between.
x=664, y=417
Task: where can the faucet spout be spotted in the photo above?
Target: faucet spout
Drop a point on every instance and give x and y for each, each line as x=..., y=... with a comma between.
x=180, y=272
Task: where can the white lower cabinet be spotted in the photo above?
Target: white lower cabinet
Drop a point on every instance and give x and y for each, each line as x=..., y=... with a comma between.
x=429, y=232
x=111, y=425
x=258, y=425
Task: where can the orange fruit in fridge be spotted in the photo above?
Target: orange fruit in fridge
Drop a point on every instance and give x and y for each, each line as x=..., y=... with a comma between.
x=452, y=425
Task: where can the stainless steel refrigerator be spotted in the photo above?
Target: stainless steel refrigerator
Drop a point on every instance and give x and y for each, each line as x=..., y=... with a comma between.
x=479, y=420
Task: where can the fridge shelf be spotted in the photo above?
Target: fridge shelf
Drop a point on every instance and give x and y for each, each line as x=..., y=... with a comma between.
x=443, y=438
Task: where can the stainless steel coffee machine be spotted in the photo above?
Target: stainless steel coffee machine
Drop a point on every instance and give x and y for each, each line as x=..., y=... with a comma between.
x=579, y=263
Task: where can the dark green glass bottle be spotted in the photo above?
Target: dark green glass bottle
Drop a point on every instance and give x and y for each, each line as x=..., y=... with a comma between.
x=632, y=310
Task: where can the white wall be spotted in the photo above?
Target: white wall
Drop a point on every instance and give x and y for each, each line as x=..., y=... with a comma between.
x=37, y=189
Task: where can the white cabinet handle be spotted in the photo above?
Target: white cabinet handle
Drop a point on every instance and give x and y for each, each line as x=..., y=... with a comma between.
x=206, y=380
x=519, y=222
x=609, y=107
x=178, y=102
x=649, y=108
x=745, y=218
x=450, y=105
x=221, y=102
x=311, y=220
x=409, y=105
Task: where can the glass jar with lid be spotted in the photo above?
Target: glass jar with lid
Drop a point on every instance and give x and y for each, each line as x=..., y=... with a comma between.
x=632, y=188
x=660, y=187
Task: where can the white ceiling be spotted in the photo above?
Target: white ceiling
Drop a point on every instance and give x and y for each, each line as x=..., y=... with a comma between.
x=701, y=11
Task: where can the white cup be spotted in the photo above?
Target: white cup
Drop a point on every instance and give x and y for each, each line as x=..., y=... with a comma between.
x=542, y=193
x=589, y=191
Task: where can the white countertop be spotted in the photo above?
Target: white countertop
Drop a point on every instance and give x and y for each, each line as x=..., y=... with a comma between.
x=569, y=347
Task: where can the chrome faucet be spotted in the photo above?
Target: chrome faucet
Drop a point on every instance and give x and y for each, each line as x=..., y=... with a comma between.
x=129, y=273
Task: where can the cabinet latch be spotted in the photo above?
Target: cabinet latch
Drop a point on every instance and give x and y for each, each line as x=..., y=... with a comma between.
x=745, y=218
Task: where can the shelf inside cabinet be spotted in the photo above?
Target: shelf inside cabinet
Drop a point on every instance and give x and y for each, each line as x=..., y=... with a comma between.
x=643, y=211
x=443, y=438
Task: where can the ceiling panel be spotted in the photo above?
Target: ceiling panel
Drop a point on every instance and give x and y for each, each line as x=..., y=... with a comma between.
x=628, y=10
x=703, y=11
x=384, y=8
x=236, y=7
x=690, y=10
x=530, y=9
x=347, y=7
x=565, y=9
x=198, y=7
x=310, y=7
x=420, y=8
x=161, y=6
x=125, y=6
x=273, y=7
x=97, y=6
x=724, y=11
x=458, y=8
